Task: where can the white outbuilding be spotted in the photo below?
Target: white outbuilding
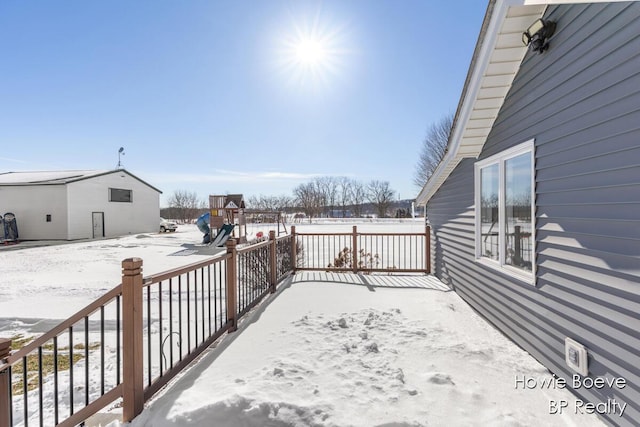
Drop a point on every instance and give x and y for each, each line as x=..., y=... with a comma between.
x=84, y=204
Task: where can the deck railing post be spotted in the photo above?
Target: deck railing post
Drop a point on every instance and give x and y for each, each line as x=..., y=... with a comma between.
x=273, y=260
x=354, y=248
x=5, y=383
x=427, y=249
x=232, y=285
x=517, y=245
x=294, y=255
x=132, y=360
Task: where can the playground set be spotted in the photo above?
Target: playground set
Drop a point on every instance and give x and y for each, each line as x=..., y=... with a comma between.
x=229, y=216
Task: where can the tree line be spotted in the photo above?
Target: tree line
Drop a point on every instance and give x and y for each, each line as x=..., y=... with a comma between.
x=327, y=196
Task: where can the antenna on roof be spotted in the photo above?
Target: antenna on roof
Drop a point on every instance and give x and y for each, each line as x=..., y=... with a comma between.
x=120, y=152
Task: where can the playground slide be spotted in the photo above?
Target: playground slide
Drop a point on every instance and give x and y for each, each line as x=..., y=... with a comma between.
x=223, y=235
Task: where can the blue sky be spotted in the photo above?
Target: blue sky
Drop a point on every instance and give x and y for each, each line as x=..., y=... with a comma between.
x=223, y=96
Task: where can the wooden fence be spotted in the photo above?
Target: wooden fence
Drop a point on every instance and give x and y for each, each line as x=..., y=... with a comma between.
x=134, y=339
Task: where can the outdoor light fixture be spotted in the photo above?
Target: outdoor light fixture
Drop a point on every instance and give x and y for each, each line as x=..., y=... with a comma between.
x=537, y=34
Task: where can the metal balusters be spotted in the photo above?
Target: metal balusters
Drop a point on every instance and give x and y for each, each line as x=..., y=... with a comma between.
x=171, y=323
x=102, y=345
x=55, y=380
x=40, y=394
x=71, y=387
x=25, y=391
x=86, y=360
x=148, y=347
x=180, y=317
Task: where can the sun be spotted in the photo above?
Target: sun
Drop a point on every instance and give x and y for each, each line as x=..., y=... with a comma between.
x=310, y=52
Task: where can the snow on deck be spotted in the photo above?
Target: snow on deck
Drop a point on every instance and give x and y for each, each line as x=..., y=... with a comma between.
x=356, y=350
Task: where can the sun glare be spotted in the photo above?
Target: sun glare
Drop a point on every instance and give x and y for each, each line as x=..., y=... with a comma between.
x=312, y=53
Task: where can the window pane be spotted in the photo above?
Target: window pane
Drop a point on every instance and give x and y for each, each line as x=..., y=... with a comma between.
x=518, y=244
x=119, y=195
x=489, y=212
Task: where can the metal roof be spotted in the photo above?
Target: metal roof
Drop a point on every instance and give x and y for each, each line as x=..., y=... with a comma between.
x=59, y=177
x=45, y=177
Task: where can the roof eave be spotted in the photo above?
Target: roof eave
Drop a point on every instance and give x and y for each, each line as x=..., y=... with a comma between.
x=495, y=62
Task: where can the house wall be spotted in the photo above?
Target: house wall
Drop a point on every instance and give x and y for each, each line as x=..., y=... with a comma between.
x=142, y=215
x=31, y=204
x=581, y=102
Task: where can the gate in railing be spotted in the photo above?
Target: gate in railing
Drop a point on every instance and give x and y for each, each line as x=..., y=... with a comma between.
x=363, y=252
x=135, y=338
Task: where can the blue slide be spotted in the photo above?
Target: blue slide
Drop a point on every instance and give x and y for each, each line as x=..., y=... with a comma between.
x=203, y=226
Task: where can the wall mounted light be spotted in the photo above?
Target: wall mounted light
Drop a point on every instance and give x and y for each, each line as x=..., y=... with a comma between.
x=537, y=35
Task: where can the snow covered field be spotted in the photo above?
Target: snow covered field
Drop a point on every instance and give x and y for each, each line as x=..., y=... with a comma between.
x=53, y=282
x=334, y=350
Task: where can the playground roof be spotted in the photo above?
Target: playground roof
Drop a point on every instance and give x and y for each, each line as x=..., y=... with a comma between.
x=236, y=199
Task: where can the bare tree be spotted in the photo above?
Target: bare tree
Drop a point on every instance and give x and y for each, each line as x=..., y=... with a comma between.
x=434, y=147
x=358, y=196
x=270, y=203
x=309, y=198
x=344, y=193
x=186, y=204
x=381, y=195
x=284, y=203
x=328, y=187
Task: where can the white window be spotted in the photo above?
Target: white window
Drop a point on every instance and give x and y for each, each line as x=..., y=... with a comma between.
x=505, y=212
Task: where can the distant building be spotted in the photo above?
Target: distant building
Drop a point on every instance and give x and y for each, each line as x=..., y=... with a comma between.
x=339, y=213
x=85, y=204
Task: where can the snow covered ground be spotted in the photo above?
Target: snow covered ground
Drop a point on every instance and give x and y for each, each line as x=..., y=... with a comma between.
x=360, y=353
x=53, y=282
x=334, y=350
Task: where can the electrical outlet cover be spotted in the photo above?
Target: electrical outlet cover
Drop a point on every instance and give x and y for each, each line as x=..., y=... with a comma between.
x=575, y=355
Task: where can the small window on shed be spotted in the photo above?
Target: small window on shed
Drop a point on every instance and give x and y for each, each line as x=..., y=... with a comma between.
x=120, y=195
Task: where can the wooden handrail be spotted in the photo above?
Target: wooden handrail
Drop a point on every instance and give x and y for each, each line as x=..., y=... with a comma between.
x=323, y=234
x=61, y=327
x=359, y=234
x=159, y=277
x=252, y=247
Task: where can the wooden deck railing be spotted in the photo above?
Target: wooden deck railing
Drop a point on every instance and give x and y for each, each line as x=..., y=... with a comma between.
x=146, y=329
x=363, y=252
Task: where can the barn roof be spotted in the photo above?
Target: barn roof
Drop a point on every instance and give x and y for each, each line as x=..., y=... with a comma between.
x=59, y=177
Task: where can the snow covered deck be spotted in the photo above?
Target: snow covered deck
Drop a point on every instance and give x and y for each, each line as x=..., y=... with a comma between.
x=332, y=349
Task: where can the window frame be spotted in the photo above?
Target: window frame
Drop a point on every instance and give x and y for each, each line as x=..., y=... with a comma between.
x=500, y=159
x=112, y=200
